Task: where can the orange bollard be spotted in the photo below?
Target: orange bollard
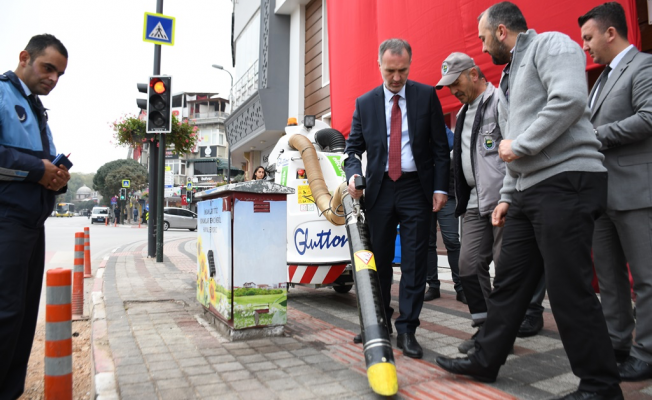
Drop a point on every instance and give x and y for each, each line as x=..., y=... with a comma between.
x=78, y=276
x=87, y=252
x=58, y=335
x=106, y=221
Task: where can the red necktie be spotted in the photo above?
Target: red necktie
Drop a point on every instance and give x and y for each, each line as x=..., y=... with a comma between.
x=394, y=170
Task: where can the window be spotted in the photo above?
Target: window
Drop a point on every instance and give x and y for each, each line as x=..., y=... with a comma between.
x=221, y=139
x=186, y=213
x=175, y=166
x=247, y=46
x=325, y=73
x=208, y=136
x=205, y=168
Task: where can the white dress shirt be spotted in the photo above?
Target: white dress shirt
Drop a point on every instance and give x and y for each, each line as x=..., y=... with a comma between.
x=407, y=159
x=613, y=64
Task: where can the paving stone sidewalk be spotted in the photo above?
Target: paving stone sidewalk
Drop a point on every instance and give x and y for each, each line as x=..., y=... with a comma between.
x=151, y=341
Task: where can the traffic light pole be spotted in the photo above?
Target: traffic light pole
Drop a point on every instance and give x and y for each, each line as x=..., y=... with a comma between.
x=159, y=195
x=155, y=232
x=153, y=200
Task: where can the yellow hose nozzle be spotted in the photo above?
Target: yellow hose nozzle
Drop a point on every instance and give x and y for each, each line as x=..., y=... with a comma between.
x=382, y=379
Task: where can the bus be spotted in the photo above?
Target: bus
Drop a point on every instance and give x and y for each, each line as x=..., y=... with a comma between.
x=65, y=210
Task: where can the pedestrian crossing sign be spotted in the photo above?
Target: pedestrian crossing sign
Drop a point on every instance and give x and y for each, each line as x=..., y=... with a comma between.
x=158, y=29
x=126, y=183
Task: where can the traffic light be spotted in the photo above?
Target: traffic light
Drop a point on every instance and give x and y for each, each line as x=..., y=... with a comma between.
x=123, y=194
x=159, y=104
x=189, y=196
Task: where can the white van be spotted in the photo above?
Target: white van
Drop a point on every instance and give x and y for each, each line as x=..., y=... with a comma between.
x=99, y=214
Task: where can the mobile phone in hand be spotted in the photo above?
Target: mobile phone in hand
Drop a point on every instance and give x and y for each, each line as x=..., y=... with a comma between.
x=62, y=160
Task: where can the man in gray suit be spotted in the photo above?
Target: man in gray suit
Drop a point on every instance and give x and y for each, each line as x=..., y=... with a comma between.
x=621, y=113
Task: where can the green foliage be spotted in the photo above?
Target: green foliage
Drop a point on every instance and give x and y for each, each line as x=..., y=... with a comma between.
x=130, y=132
x=255, y=292
x=108, y=179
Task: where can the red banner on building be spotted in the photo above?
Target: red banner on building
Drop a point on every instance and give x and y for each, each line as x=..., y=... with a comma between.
x=434, y=28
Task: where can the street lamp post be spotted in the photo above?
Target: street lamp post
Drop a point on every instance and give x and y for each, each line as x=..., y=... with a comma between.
x=228, y=173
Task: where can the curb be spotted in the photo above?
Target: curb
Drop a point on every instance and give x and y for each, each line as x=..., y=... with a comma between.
x=103, y=384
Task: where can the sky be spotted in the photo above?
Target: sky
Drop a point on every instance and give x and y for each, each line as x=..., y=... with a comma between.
x=107, y=57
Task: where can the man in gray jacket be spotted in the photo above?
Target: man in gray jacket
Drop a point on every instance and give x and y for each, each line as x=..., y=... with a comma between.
x=554, y=189
x=621, y=112
x=479, y=174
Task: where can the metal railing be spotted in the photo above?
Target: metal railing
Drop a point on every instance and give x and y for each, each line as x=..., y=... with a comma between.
x=245, y=86
x=212, y=114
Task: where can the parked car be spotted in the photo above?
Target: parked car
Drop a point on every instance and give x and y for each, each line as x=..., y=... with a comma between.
x=179, y=218
x=99, y=214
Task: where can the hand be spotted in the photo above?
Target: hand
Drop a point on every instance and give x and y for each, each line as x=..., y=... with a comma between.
x=499, y=214
x=54, y=178
x=505, y=151
x=438, y=201
x=353, y=192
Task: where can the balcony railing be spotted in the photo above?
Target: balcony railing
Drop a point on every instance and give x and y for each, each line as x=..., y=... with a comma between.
x=245, y=86
x=212, y=114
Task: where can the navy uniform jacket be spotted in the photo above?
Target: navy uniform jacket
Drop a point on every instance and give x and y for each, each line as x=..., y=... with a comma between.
x=24, y=142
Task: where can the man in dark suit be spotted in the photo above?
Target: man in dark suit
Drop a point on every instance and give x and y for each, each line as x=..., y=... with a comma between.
x=400, y=126
x=621, y=113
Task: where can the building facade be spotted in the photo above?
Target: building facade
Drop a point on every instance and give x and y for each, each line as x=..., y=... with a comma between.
x=281, y=72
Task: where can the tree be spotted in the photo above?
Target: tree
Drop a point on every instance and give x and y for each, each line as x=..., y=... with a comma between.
x=133, y=169
x=136, y=175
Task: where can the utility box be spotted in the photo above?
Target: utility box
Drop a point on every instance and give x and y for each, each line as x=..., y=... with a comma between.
x=242, y=257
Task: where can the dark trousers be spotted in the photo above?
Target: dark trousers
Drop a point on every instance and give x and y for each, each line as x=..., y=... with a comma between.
x=449, y=227
x=535, y=309
x=549, y=228
x=22, y=251
x=401, y=202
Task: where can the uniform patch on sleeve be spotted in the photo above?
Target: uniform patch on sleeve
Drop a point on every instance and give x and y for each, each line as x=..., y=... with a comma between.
x=21, y=113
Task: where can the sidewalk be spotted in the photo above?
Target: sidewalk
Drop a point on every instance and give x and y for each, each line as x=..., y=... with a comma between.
x=151, y=341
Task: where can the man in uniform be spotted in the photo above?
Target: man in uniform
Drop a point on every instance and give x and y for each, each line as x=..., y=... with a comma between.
x=28, y=183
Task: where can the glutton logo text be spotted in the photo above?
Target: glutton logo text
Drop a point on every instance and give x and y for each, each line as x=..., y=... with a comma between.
x=323, y=240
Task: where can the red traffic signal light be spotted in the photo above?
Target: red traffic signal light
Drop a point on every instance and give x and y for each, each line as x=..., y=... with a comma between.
x=158, y=85
x=159, y=104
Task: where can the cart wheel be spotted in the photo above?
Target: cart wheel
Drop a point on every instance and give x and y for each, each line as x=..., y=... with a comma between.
x=342, y=288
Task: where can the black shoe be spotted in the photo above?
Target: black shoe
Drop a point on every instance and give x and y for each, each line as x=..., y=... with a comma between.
x=408, y=343
x=461, y=297
x=634, y=370
x=582, y=395
x=431, y=294
x=621, y=355
x=357, y=339
x=464, y=366
x=467, y=345
x=530, y=326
